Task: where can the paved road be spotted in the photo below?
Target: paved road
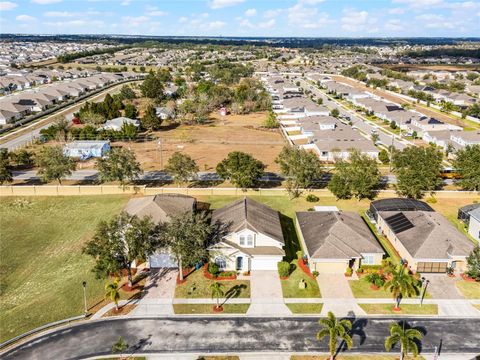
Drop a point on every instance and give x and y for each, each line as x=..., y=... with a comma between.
x=235, y=334
x=366, y=127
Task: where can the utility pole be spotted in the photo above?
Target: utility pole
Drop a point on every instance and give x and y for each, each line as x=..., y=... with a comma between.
x=85, y=297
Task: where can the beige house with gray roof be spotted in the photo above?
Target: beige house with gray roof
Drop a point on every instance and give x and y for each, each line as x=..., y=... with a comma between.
x=336, y=240
x=252, y=237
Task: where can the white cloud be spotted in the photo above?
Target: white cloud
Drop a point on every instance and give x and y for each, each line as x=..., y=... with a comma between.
x=59, y=14
x=394, y=25
x=396, y=11
x=419, y=3
x=25, y=18
x=267, y=24
x=215, y=25
x=306, y=17
x=135, y=21
x=355, y=21
x=218, y=4
x=251, y=12
x=311, y=2
x=272, y=13
x=75, y=23
x=435, y=21
x=125, y=2
x=182, y=19
x=45, y=2
x=7, y=5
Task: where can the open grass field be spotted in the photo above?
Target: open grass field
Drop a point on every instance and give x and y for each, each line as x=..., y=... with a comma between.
x=209, y=143
x=354, y=357
x=406, y=309
x=42, y=266
x=208, y=308
x=305, y=308
x=471, y=290
x=198, y=286
x=290, y=287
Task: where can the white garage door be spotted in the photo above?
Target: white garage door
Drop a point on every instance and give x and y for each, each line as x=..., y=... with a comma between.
x=161, y=260
x=265, y=263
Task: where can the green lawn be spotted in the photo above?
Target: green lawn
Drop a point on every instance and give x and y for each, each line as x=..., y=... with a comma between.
x=208, y=308
x=305, y=308
x=354, y=357
x=386, y=309
x=471, y=290
x=197, y=286
x=42, y=266
x=361, y=289
x=290, y=287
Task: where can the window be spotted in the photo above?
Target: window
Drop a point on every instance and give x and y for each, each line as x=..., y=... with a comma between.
x=324, y=153
x=242, y=240
x=367, y=259
x=221, y=262
x=250, y=240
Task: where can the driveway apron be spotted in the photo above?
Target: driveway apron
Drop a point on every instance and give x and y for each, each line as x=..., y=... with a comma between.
x=266, y=297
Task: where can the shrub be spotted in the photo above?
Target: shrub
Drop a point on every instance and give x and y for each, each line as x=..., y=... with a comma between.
x=299, y=254
x=213, y=269
x=315, y=273
x=432, y=200
x=376, y=279
x=226, y=273
x=348, y=272
x=312, y=198
x=283, y=268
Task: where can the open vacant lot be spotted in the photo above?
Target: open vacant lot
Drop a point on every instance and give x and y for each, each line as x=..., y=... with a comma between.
x=209, y=143
x=42, y=267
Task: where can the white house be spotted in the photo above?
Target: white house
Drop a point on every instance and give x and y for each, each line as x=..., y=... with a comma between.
x=252, y=237
x=117, y=123
x=86, y=149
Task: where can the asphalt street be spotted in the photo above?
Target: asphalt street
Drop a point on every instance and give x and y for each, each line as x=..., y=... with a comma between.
x=366, y=127
x=235, y=334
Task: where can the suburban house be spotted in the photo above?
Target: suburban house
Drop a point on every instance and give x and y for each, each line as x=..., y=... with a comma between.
x=86, y=149
x=160, y=208
x=252, y=237
x=470, y=215
x=117, y=123
x=425, y=240
x=336, y=240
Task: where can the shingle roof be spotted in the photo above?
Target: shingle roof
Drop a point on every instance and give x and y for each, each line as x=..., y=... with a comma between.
x=431, y=236
x=160, y=207
x=336, y=235
x=249, y=214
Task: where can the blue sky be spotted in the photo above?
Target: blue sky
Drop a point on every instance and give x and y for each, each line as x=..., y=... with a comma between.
x=313, y=18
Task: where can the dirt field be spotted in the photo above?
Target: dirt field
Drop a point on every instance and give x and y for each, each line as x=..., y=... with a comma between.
x=208, y=144
x=432, y=113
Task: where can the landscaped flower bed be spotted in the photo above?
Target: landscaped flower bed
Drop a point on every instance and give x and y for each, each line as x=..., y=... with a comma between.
x=467, y=278
x=302, y=265
x=223, y=275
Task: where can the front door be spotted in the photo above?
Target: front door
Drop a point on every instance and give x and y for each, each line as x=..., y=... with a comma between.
x=239, y=263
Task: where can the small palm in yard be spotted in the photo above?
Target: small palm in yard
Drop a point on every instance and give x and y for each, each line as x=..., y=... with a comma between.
x=217, y=293
x=407, y=338
x=112, y=292
x=335, y=329
x=401, y=283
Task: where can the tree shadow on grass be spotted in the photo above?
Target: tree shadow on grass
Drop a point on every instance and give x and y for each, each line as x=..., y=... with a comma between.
x=292, y=244
x=234, y=292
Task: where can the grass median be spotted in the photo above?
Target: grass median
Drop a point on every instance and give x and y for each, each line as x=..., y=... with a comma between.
x=405, y=309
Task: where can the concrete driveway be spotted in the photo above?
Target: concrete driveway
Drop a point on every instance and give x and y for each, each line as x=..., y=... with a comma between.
x=160, y=290
x=442, y=287
x=335, y=287
x=266, y=297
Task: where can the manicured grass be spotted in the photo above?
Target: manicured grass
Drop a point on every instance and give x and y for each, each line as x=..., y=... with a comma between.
x=305, y=308
x=198, y=286
x=290, y=287
x=361, y=289
x=208, y=308
x=42, y=266
x=425, y=309
x=471, y=290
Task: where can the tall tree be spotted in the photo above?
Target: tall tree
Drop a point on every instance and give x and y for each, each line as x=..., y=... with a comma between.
x=5, y=167
x=186, y=237
x=119, y=165
x=358, y=176
x=404, y=335
x=417, y=170
x=119, y=242
x=182, y=167
x=242, y=169
x=127, y=92
x=301, y=167
x=473, y=264
x=150, y=120
x=152, y=87
x=131, y=111
x=334, y=329
x=54, y=164
x=112, y=292
x=400, y=284
x=217, y=292
x=467, y=164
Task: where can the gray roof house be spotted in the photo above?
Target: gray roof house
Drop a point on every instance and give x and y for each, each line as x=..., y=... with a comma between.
x=335, y=240
x=252, y=237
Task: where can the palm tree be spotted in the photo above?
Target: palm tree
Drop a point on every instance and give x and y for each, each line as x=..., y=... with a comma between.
x=335, y=329
x=112, y=291
x=406, y=338
x=400, y=284
x=217, y=292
